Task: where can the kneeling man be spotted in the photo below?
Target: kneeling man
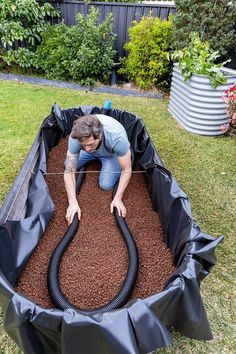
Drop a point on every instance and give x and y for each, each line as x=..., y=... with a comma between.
x=104, y=138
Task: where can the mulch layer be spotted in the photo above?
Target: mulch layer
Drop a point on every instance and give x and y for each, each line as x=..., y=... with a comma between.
x=94, y=266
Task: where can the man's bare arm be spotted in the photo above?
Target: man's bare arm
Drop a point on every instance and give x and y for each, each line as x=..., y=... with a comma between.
x=70, y=185
x=126, y=167
x=71, y=161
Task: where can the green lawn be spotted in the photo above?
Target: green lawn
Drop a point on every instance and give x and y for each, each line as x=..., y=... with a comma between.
x=204, y=167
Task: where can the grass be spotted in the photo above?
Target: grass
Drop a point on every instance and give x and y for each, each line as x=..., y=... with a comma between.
x=205, y=168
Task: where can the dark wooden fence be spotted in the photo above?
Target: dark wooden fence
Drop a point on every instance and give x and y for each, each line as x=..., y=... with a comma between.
x=123, y=15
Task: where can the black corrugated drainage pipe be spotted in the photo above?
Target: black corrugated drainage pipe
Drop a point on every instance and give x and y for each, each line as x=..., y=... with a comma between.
x=122, y=296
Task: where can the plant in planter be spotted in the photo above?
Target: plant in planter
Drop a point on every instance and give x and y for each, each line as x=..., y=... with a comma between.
x=199, y=58
x=197, y=87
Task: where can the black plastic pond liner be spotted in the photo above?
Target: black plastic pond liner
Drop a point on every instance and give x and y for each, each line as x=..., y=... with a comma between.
x=141, y=326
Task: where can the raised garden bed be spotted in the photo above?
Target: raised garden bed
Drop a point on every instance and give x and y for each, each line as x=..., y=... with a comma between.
x=160, y=299
x=196, y=105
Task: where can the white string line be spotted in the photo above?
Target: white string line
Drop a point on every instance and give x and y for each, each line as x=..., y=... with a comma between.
x=79, y=172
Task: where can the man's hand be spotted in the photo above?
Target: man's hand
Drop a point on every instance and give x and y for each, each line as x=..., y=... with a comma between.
x=118, y=204
x=72, y=209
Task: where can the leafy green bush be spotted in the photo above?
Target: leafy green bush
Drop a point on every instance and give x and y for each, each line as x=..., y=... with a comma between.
x=199, y=58
x=147, y=64
x=212, y=20
x=21, y=25
x=52, y=54
x=83, y=52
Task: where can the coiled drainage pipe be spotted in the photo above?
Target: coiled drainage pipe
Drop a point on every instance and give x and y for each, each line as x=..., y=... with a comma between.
x=122, y=296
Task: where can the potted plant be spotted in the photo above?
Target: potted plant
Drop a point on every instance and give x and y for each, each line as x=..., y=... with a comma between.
x=198, y=85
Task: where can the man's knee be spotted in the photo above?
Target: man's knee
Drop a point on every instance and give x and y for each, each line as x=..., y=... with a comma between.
x=106, y=185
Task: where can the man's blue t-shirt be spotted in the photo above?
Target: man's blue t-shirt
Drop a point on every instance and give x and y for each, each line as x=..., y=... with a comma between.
x=114, y=140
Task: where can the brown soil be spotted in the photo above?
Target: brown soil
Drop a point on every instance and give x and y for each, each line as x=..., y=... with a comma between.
x=94, y=266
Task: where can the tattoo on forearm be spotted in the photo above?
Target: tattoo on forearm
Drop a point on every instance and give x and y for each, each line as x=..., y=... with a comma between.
x=71, y=164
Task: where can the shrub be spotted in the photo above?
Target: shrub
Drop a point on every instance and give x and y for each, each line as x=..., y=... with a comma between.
x=83, y=52
x=21, y=25
x=147, y=62
x=213, y=20
x=52, y=54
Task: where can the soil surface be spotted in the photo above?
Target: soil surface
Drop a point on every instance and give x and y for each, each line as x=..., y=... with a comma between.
x=94, y=266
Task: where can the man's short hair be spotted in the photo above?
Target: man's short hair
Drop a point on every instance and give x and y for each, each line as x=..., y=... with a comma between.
x=87, y=126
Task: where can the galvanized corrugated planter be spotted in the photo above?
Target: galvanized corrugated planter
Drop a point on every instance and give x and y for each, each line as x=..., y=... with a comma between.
x=196, y=105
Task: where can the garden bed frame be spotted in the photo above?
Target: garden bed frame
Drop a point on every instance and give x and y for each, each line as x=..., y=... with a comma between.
x=141, y=326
